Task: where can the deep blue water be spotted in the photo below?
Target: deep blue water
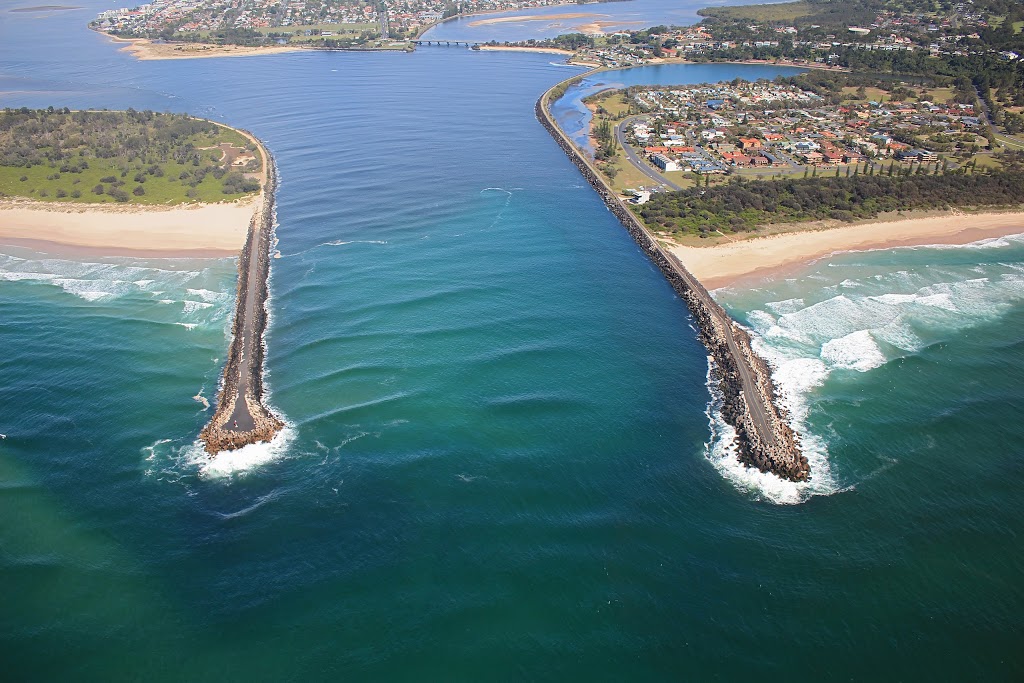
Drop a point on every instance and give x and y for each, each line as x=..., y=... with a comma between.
x=500, y=464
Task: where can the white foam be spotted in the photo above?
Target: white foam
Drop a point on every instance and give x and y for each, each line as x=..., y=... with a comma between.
x=247, y=458
x=207, y=295
x=151, y=449
x=341, y=243
x=856, y=351
x=188, y=326
x=193, y=306
x=15, y=276
x=785, y=306
x=722, y=452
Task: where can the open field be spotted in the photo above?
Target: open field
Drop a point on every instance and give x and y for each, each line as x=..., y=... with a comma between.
x=785, y=11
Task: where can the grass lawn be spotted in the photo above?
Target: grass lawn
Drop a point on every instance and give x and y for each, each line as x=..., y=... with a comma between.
x=627, y=176
x=986, y=161
x=338, y=30
x=870, y=94
x=784, y=11
x=940, y=95
x=41, y=185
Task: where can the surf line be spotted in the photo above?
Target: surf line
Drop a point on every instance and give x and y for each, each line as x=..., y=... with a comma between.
x=764, y=437
x=241, y=417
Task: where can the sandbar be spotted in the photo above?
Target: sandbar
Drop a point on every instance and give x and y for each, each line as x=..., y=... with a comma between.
x=759, y=258
x=534, y=17
x=145, y=50
x=597, y=27
x=214, y=230
x=523, y=48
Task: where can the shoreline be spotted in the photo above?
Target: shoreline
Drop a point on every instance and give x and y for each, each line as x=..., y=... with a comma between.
x=523, y=48
x=209, y=230
x=144, y=49
x=194, y=230
x=746, y=261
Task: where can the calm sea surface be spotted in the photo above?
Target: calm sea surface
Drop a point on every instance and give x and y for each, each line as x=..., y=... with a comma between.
x=501, y=462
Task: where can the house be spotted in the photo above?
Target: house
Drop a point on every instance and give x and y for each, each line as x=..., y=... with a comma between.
x=736, y=158
x=920, y=155
x=751, y=144
x=665, y=163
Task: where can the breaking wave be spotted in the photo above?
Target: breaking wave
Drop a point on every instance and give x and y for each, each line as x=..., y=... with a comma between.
x=854, y=319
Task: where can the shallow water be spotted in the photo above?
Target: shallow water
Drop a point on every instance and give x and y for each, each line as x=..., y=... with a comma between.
x=499, y=464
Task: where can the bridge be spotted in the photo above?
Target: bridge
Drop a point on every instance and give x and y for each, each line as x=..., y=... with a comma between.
x=446, y=43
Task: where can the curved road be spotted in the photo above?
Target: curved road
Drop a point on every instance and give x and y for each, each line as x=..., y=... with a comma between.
x=640, y=164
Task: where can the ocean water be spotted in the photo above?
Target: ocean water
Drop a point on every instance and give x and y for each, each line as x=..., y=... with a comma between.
x=503, y=461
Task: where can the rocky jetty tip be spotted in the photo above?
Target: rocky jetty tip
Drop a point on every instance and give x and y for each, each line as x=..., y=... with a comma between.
x=750, y=399
x=241, y=418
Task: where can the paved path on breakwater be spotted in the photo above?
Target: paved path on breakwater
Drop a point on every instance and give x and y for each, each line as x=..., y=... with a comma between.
x=764, y=437
x=750, y=393
x=241, y=417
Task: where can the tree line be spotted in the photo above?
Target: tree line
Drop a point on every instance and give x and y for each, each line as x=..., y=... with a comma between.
x=742, y=206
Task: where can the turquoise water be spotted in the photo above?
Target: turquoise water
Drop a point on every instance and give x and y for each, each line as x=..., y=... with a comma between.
x=501, y=461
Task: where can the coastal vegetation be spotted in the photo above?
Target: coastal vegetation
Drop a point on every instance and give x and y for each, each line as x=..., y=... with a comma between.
x=744, y=206
x=129, y=157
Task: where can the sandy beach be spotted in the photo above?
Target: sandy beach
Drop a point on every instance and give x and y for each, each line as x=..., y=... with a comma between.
x=511, y=48
x=201, y=230
x=761, y=257
x=145, y=50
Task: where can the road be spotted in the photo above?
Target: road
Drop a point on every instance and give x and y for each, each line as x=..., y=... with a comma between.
x=1005, y=138
x=640, y=164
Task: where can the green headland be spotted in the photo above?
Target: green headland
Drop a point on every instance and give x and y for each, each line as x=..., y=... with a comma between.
x=126, y=157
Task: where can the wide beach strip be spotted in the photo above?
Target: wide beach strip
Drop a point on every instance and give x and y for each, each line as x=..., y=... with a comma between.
x=214, y=230
x=729, y=262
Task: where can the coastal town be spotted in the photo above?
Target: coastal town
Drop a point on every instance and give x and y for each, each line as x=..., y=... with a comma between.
x=325, y=23
x=774, y=129
x=788, y=31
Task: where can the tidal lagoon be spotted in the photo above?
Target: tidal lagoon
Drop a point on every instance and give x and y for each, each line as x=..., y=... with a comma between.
x=501, y=459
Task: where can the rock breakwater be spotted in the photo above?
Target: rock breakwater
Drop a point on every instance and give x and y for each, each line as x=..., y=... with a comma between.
x=241, y=418
x=764, y=438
